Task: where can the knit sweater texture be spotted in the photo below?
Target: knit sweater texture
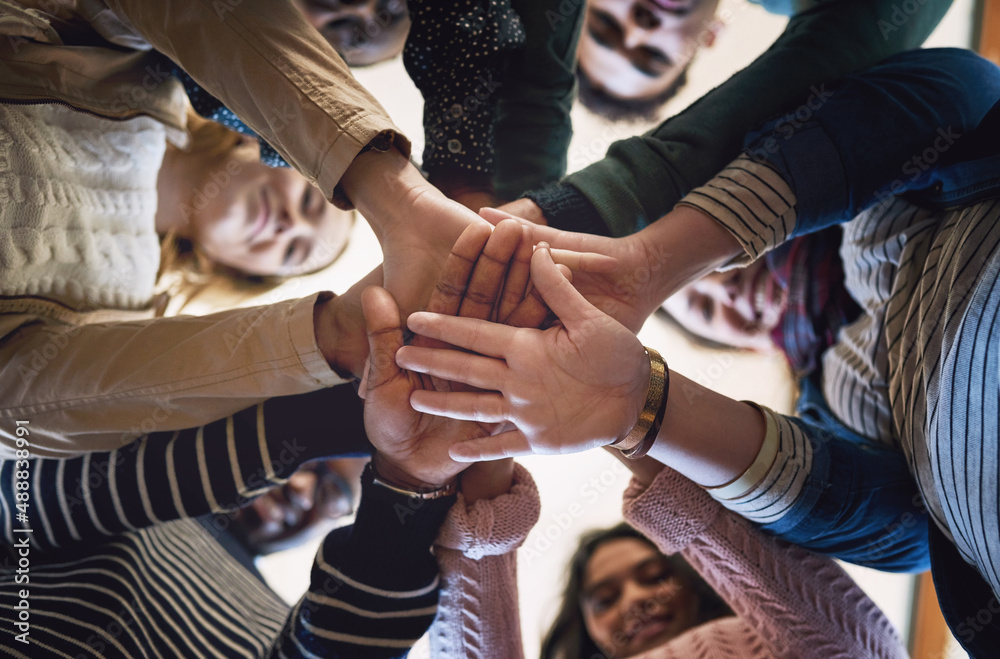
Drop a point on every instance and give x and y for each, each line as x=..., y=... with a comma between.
x=78, y=206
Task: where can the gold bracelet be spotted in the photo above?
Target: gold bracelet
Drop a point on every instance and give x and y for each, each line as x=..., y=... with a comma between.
x=652, y=410
x=447, y=490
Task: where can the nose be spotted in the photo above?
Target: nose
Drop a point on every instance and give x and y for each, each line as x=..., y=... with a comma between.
x=633, y=601
x=365, y=10
x=297, y=210
x=644, y=17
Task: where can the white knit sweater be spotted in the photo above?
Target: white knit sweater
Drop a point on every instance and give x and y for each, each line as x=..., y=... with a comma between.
x=77, y=206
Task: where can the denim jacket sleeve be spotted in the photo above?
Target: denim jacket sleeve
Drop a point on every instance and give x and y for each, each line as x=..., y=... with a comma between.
x=873, y=135
x=877, y=133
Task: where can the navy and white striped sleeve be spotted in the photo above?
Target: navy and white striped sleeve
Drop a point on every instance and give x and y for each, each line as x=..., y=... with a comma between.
x=374, y=585
x=213, y=468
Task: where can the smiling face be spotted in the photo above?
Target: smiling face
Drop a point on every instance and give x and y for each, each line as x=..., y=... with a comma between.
x=257, y=219
x=362, y=31
x=739, y=307
x=633, y=600
x=636, y=49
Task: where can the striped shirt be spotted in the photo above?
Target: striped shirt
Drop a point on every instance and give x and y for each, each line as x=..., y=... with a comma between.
x=902, y=374
x=113, y=568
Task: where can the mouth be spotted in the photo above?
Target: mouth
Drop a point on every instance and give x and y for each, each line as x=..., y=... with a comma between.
x=262, y=219
x=651, y=628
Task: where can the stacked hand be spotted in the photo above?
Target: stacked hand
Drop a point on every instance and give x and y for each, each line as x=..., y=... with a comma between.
x=485, y=278
x=630, y=293
x=575, y=386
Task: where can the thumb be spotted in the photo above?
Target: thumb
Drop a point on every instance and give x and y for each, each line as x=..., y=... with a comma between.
x=559, y=294
x=385, y=336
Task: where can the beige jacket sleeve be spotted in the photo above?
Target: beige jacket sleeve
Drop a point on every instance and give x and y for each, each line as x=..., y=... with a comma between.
x=99, y=387
x=269, y=66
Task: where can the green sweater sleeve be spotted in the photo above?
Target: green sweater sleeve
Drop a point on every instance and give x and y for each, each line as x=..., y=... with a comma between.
x=533, y=120
x=641, y=178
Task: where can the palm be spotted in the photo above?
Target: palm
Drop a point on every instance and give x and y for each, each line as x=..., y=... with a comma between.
x=576, y=395
x=404, y=436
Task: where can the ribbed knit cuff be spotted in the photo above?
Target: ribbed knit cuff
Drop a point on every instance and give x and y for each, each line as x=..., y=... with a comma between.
x=566, y=208
x=491, y=527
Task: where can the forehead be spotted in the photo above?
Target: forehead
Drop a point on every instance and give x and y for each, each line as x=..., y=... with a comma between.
x=616, y=559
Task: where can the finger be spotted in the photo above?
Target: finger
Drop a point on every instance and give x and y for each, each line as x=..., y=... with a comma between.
x=488, y=276
x=585, y=261
x=557, y=291
x=451, y=286
x=385, y=336
x=494, y=215
x=453, y=365
x=464, y=406
x=571, y=240
x=518, y=275
x=480, y=336
x=510, y=444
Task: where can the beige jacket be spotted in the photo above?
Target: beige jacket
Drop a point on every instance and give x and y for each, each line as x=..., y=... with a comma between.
x=84, y=382
x=259, y=57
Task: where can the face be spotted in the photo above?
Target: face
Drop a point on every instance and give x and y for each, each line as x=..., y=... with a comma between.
x=263, y=220
x=308, y=504
x=739, y=307
x=633, y=600
x=636, y=49
x=362, y=31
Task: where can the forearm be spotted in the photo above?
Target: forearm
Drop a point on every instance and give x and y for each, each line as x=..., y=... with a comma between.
x=533, y=126
x=374, y=585
x=707, y=437
x=156, y=375
x=269, y=66
x=476, y=551
x=784, y=593
x=641, y=178
x=169, y=475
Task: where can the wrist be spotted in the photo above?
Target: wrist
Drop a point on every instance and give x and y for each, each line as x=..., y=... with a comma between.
x=382, y=185
x=707, y=246
x=637, y=442
x=332, y=337
x=394, y=475
x=487, y=480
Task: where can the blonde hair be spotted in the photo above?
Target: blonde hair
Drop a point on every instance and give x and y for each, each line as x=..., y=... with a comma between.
x=185, y=272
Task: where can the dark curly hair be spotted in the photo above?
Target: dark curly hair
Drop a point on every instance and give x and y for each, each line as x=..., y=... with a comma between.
x=567, y=638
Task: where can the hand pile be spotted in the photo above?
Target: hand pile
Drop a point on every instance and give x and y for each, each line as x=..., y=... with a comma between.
x=486, y=375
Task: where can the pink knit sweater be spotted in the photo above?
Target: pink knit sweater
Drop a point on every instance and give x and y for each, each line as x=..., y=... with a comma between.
x=789, y=602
